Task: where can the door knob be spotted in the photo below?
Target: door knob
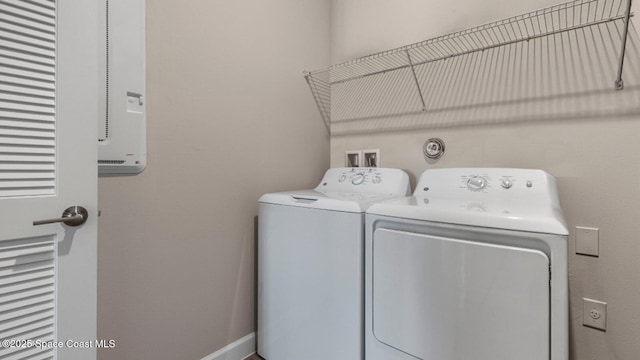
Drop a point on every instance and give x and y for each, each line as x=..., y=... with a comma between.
x=72, y=216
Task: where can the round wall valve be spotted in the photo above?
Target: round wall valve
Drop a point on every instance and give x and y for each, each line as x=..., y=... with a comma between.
x=433, y=148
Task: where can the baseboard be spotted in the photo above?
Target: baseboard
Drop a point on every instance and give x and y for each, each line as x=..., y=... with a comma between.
x=237, y=350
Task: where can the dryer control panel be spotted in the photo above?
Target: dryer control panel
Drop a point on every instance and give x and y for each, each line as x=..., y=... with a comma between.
x=489, y=183
x=484, y=182
x=369, y=180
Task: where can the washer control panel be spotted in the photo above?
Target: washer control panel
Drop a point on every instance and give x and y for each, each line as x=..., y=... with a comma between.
x=361, y=176
x=374, y=180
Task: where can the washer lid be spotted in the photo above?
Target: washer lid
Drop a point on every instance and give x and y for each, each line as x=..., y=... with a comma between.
x=336, y=201
x=514, y=199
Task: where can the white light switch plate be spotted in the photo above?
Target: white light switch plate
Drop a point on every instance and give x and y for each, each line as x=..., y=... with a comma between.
x=594, y=314
x=587, y=241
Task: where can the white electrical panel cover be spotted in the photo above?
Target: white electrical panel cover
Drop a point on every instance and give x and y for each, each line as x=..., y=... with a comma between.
x=122, y=126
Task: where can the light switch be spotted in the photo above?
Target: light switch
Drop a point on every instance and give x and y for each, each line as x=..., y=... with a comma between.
x=587, y=242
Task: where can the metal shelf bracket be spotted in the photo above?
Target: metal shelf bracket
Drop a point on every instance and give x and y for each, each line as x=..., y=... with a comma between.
x=619, y=82
x=415, y=78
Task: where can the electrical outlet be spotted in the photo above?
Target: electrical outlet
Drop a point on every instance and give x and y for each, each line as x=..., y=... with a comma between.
x=352, y=158
x=594, y=314
x=371, y=158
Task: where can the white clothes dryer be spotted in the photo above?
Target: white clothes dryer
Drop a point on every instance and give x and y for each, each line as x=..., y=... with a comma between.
x=472, y=266
x=311, y=264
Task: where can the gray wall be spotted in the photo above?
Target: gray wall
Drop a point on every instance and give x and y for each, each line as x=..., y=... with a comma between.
x=596, y=161
x=229, y=118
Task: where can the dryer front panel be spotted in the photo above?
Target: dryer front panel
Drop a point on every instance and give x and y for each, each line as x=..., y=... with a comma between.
x=449, y=299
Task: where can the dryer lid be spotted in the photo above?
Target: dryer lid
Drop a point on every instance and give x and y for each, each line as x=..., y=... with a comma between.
x=514, y=199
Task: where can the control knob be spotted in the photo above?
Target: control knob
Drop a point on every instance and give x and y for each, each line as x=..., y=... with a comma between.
x=357, y=179
x=506, y=183
x=476, y=183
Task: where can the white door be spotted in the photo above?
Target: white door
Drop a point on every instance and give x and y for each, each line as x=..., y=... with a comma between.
x=48, y=154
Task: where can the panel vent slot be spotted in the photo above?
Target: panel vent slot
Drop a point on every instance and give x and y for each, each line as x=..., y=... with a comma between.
x=104, y=127
x=111, y=162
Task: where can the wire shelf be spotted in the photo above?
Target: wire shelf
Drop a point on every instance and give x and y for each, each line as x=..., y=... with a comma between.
x=570, y=49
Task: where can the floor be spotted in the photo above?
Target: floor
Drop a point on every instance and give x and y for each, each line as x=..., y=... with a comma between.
x=254, y=357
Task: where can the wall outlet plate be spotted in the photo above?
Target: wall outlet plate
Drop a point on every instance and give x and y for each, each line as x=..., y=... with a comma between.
x=594, y=314
x=587, y=241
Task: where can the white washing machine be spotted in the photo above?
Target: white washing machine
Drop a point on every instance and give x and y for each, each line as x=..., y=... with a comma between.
x=311, y=264
x=472, y=266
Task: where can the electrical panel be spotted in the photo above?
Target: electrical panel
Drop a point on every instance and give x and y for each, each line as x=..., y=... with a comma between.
x=122, y=123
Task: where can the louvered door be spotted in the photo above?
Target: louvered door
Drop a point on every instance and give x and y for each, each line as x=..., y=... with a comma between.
x=48, y=126
x=27, y=98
